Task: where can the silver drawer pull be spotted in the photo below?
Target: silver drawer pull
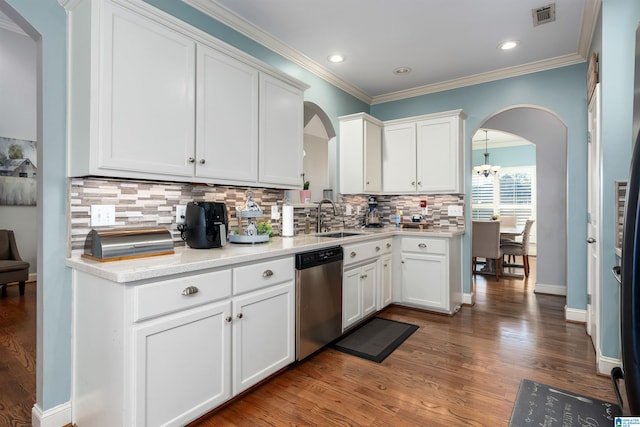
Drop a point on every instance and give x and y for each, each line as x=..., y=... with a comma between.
x=267, y=273
x=191, y=160
x=422, y=245
x=377, y=248
x=388, y=245
x=353, y=254
x=364, y=276
x=190, y=290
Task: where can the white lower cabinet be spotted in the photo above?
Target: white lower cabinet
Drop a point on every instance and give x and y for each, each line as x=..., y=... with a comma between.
x=163, y=353
x=182, y=366
x=358, y=293
x=386, y=281
x=430, y=271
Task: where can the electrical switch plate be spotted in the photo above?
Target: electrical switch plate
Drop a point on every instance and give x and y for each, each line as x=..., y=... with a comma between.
x=455, y=210
x=358, y=210
x=275, y=215
x=348, y=210
x=181, y=213
x=103, y=215
x=425, y=211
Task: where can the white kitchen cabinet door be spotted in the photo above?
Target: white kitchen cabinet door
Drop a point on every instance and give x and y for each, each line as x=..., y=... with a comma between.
x=386, y=281
x=438, y=158
x=360, y=154
x=263, y=334
x=425, y=280
x=227, y=118
x=369, y=288
x=351, y=297
x=399, y=158
x=181, y=366
x=147, y=96
x=280, y=136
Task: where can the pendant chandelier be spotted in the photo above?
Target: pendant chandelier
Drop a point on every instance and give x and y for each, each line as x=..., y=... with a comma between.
x=486, y=169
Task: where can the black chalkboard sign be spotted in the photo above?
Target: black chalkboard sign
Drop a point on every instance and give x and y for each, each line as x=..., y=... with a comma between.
x=542, y=405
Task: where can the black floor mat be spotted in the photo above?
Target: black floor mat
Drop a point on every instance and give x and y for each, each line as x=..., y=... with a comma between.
x=543, y=405
x=376, y=339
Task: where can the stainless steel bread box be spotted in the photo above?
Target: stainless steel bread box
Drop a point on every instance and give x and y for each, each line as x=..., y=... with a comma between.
x=113, y=245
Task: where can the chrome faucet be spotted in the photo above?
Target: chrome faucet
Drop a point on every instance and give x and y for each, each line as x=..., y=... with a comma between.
x=319, y=217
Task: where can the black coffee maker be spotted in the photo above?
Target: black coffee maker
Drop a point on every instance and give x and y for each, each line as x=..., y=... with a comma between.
x=372, y=220
x=206, y=225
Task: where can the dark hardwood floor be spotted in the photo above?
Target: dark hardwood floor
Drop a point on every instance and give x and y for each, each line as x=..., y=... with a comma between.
x=454, y=371
x=17, y=356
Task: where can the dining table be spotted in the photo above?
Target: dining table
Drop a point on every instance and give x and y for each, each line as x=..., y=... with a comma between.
x=511, y=232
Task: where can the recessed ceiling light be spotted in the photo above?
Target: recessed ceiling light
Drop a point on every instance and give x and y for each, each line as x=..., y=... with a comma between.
x=402, y=70
x=336, y=58
x=508, y=45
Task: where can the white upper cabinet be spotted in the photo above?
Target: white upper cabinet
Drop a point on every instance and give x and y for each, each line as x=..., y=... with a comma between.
x=360, y=154
x=154, y=98
x=227, y=118
x=281, y=129
x=399, y=158
x=424, y=154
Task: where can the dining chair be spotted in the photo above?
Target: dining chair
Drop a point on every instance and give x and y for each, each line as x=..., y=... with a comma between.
x=12, y=267
x=516, y=248
x=508, y=222
x=485, y=243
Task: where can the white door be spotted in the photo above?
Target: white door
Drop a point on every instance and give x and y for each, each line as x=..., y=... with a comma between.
x=437, y=155
x=263, y=334
x=351, y=297
x=227, y=118
x=373, y=157
x=399, y=158
x=181, y=366
x=147, y=93
x=369, y=282
x=424, y=280
x=386, y=277
x=593, y=227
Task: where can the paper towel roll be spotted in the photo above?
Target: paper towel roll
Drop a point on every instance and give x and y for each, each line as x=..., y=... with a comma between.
x=287, y=221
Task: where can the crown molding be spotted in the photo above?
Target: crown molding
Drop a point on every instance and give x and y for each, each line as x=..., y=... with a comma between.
x=8, y=24
x=504, y=73
x=241, y=25
x=236, y=22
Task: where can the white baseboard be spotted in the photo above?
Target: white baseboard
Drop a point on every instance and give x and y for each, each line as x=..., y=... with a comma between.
x=33, y=277
x=541, y=288
x=575, y=315
x=606, y=364
x=468, y=299
x=55, y=417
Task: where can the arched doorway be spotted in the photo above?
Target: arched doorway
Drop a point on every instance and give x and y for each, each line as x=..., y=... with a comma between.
x=549, y=134
x=319, y=162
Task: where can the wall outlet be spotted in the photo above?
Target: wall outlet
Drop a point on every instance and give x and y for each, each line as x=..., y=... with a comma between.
x=103, y=215
x=455, y=210
x=275, y=214
x=181, y=214
x=348, y=210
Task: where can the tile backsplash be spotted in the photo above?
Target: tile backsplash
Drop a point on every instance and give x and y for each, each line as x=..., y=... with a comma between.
x=153, y=204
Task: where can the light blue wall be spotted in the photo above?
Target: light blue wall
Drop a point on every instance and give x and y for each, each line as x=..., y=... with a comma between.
x=562, y=91
x=520, y=155
x=54, y=279
x=616, y=50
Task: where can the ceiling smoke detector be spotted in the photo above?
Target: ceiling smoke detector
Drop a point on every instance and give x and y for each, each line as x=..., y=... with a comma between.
x=544, y=14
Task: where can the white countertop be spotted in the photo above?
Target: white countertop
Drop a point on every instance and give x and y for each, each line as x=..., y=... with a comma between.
x=187, y=260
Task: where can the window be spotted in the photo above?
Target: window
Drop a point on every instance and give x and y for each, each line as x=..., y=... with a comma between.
x=510, y=193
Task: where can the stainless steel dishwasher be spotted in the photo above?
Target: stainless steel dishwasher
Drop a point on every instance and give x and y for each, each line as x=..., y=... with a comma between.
x=318, y=299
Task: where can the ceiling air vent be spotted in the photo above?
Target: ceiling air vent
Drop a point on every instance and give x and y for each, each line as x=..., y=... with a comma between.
x=544, y=15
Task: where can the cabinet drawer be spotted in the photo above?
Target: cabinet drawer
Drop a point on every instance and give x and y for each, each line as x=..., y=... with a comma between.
x=424, y=245
x=159, y=298
x=362, y=251
x=261, y=275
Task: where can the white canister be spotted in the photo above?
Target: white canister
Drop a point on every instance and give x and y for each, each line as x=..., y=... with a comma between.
x=287, y=221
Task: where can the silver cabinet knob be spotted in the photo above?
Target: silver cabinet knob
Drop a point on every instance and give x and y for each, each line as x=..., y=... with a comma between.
x=228, y=319
x=413, y=183
x=267, y=273
x=419, y=182
x=377, y=248
x=422, y=245
x=191, y=160
x=388, y=245
x=239, y=315
x=190, y=290
x=202, y=161
x=591, y=240
x=364, y=276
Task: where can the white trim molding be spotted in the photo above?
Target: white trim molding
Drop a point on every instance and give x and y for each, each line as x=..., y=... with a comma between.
x=542, y=288
x=55, y=417
x=575, y=315
x=468, y=298
x=246, y=28
x=606, y=364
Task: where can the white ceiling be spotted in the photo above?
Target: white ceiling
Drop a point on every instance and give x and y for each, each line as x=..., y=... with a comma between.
x=447, y=43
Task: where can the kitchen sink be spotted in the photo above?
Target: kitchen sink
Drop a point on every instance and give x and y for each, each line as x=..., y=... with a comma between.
x=340, y=234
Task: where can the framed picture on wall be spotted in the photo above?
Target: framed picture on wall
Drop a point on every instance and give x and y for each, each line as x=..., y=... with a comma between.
x=18, y=170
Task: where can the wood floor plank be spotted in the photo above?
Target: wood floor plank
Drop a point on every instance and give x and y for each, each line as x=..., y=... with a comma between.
x=463, y=370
